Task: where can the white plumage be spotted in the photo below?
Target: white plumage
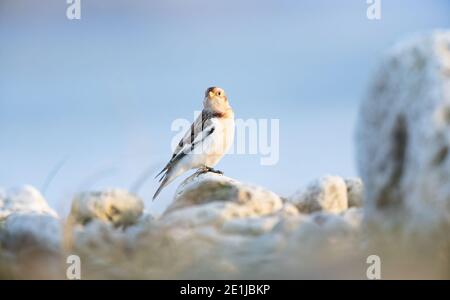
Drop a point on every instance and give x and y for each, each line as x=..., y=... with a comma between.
x=206, y=142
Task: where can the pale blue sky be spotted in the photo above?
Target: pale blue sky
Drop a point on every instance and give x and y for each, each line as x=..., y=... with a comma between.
x=101, y=93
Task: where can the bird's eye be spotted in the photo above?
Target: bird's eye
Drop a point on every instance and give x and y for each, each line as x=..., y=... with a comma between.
x=219, y=93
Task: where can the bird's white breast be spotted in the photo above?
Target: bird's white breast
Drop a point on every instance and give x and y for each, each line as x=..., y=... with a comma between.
x=216, y=145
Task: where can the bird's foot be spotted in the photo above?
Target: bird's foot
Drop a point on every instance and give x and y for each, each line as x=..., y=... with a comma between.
x=215, y=171
x=206, y=169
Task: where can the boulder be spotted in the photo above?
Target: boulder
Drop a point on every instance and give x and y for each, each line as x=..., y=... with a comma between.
x=30, y=231
x=115, y=206
x=403, y=131
x=229, y=206
x=217, y=228
x=27, y=222
x=232, y=197
x=22, y=200
x=328, y=193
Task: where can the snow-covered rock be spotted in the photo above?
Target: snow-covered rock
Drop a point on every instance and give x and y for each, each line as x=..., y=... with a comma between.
x=115, y=206
x=328, y=194
x=232, y=207
x=233, y=197
x=230, y=215
x=22, y=200
x=403, y=132
x=216, y=228
x=27, y=221
x=98, y=235
x=29, y=231
x=228, y=206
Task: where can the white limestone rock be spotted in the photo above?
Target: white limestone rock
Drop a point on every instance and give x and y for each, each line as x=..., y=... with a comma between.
x=212, y=199
x=403, y=131
x=224, y=212
x=22, y=200
x=31, y=231
x=211, y=187
x=328, y=193
x=115, y=206
x=215, y=217
x=217, y=228
x=97, y=235
x=252, y=226
x=27, y=222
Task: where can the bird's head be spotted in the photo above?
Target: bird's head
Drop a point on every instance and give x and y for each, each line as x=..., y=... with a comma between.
x=216, y=100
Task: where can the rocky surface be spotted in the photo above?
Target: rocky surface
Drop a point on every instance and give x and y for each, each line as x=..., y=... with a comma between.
x=25, y=199
x=403, y=135
x=27, y=222
x=115, y=206
x=216, y=228
x=328, y=193
x=230, y=228
x=214, y=199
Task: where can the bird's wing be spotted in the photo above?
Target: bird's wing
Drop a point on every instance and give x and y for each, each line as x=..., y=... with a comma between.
x=199, y=130
x=191, y=135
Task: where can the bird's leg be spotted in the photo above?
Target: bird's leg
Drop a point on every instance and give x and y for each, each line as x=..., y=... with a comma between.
x=202, y=170
x=209, y=169
x=206, y=169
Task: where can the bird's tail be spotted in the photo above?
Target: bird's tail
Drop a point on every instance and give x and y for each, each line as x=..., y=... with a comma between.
x=162, y=171
x=164, y=182
x=169, y=173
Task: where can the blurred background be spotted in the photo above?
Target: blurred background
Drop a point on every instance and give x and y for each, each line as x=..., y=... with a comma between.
x=87, y=104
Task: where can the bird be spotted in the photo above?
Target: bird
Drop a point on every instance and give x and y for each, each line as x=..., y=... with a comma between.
x=205, y=143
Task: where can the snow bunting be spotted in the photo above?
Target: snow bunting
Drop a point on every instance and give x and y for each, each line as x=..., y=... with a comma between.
x=206, y=142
